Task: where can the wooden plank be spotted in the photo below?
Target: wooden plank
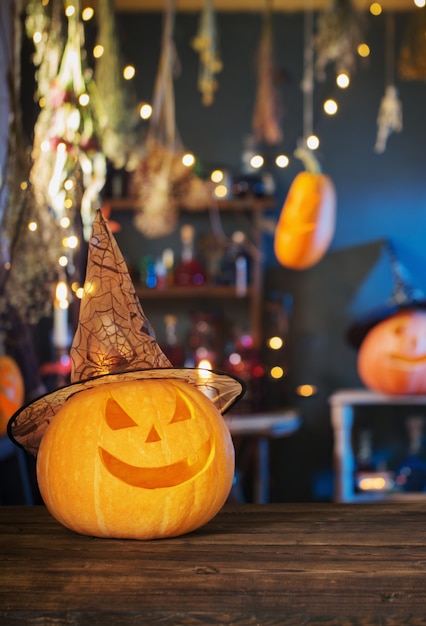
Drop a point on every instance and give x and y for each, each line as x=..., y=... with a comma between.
x=273, y=564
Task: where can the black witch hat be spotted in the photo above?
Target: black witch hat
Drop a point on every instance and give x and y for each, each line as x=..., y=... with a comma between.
x=404, y=296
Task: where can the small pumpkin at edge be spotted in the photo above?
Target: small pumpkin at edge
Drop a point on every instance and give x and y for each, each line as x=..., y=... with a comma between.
x=11, y=390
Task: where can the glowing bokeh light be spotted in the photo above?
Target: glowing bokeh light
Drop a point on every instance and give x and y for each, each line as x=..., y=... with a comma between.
x=375, y=8
x=363, y=50
x=275, y=343
x=188, y=159
x=277, y=372
x=312, y=142
x=343, y=80
x=145, y=111
x=217, y=176
x=330, y=106
x=306, y=390
x=282, y=161
x=257, y=161
x=129, y=72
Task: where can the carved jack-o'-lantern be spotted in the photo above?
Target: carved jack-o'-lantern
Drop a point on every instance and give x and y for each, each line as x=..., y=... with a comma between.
x=392, y=356
x=307, y=221
x=11, y=390
x=140, y=459
x=132, y=447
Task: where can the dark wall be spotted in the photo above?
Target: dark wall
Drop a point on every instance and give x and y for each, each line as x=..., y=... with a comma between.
x=380, y=198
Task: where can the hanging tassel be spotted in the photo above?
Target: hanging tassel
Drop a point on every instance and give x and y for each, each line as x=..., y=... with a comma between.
x=389, y=118
x=339, y=31
x=265, y=122
x=206, y=44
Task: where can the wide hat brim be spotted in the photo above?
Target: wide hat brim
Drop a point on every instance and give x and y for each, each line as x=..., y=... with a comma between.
x=357, y=332
x=28, y=425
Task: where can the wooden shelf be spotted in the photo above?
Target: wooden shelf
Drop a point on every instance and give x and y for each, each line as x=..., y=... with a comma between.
x=205, y=291
x=252, y=207
x=248, y=203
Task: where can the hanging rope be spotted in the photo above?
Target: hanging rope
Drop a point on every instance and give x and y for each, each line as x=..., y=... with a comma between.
x=265, y=122
x=389, y=118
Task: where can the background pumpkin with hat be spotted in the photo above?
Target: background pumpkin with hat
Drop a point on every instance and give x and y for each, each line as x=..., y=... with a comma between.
x=391, y=339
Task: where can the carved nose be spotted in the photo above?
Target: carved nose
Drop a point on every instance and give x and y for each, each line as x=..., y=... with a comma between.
x=153, y=435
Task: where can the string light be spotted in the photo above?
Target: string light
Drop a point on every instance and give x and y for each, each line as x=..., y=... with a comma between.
x=277, y=372
x=87, y=14
x=275, y=343
x=306, y=390
x=312, y=142
x=129, y=72
x=70, y=10
x=84, y=99
x=363, y=50
x=282, y=161
x=330, y=106
x=98, y=51
x=343, y=80
x=221, y=191
x=188, y=159
x=375, y=8
x=217, y=176
x=145, y=111
x=257, y=161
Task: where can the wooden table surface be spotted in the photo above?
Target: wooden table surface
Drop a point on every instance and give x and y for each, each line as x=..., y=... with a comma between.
x=298, y=564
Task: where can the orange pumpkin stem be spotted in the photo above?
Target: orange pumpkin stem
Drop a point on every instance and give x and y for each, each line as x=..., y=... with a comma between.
x=308, y=159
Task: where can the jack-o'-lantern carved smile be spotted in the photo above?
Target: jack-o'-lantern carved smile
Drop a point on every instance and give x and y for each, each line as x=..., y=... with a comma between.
x=155, y=477
x=159, y=476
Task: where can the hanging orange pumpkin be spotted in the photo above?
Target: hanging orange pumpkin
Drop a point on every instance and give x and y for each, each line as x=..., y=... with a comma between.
x=306, y=225
x=141, y=459
x=11, y=390
x=392, y=356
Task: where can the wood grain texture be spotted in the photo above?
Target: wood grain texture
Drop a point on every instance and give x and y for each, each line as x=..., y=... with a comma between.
x=327, y=564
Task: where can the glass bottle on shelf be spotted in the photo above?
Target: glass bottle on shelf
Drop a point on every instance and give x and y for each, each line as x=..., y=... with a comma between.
x=172, y=349
x=189, y=271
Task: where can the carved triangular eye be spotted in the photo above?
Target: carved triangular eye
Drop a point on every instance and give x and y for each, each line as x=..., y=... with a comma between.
x=116, y=417
x=183, y=409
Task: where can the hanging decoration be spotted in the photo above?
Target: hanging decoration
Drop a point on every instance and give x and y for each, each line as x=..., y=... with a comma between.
x=412, y=56
x=117, y=119
x=160, y=179
x=306, y=224
x=206, y=44
x=30, y=238
x=389, y=118
x=69, y=167
x=339, y=32
x=266, y=114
